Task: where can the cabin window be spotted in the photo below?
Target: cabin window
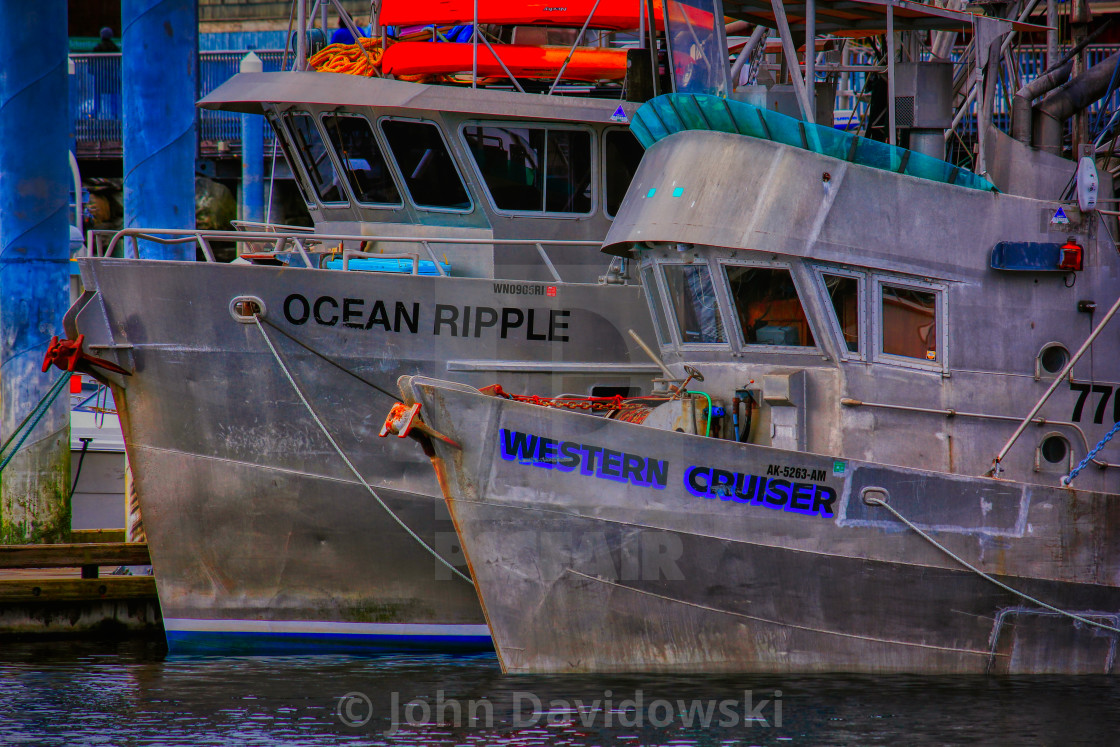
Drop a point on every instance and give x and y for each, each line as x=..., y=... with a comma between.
x=530, y=169
x=361, y=159
x=693, y=300
x=843, y=295
x=428, y=169
x=909, y=322
x=653, y=296
x=285, y=147
x=621, y=155
x=316, y=159
x=768, y=307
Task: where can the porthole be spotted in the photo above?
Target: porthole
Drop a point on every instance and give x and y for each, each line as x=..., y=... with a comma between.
x=1054, y=449
x=1052, y=359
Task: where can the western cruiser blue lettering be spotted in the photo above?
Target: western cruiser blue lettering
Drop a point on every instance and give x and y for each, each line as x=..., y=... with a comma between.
x=591, y=461
x=810, y=499
x=518, y=446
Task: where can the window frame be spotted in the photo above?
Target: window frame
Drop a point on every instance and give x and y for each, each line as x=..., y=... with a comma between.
x=347, y=201
x=671, y=317
x=753, y=347
x=603, y=163
x=658, y=283
x=287, y=146
x=547, y=125
x=382, y=146
x=940, y=316
x=402, y=183
x=862, y=352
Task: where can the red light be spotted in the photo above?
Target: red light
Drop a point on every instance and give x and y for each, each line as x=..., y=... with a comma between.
x=551, y=290
x=75, y=383
x=1072, y=257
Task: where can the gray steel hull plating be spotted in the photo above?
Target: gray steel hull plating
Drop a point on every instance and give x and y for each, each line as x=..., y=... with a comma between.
x=688, y=577
x=261, y=538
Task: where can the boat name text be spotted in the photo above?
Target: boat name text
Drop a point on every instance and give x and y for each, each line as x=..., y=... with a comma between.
x=568, y=456
x=798, y=497
x=456, y=321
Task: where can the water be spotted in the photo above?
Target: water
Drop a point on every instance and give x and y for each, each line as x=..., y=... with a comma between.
x=54, y=693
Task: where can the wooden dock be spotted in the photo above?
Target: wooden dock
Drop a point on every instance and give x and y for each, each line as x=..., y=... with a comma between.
x=61, y=589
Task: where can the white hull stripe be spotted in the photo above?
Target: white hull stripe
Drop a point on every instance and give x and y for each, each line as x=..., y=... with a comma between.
x=188, y=625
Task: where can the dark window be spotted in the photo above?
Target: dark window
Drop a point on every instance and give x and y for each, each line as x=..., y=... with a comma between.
x=361, y=159
x=285, y=147
x=769, y=309
x=623, y=154
x=843, y=291
x=534, y=169
x=694, y=303
x=909, y=322
x=316, y=161
x=653, y=297
x=427, y=167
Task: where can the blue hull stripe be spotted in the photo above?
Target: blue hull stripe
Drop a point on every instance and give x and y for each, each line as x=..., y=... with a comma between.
x=233, y=637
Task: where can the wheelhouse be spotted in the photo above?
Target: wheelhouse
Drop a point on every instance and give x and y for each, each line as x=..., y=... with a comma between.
x=714, y=303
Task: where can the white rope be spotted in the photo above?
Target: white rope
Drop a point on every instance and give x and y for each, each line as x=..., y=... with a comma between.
x=981, y=574
x=357, y=474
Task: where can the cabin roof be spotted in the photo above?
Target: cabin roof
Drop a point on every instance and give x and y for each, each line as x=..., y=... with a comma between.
x=247, y=92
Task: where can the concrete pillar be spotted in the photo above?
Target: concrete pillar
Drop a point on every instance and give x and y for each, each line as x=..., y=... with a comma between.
x=34, y=265
x=252, y=153
x=159, y=82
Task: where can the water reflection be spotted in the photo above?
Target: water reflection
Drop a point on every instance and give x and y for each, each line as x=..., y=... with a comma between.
x=66, y=694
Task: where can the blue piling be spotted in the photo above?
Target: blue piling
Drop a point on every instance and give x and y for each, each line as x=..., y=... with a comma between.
x=34, y=265
x=159, y=82
x=252, y=153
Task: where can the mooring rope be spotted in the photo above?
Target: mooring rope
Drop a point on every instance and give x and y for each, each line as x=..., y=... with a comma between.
x=985, y=576
x=1092, y=452
x=338, y=449
x=32, y=420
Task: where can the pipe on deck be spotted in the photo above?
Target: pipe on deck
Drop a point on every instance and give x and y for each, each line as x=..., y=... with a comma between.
x=159, y=76
x=34, y=265
x=1021, y=105
x=1071, y=98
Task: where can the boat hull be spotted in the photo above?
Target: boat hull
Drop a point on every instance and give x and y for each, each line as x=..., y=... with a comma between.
x=754, y=559
x=261, y=537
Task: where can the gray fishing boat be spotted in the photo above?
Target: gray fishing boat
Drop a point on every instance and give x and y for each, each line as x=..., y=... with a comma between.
x=457, y=232
x=899, y=461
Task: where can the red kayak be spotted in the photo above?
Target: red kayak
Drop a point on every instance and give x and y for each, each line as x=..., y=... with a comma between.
x=523, y=60
x=612, y=15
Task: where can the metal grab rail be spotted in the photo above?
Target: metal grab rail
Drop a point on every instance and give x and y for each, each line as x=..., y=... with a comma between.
x=306, y=243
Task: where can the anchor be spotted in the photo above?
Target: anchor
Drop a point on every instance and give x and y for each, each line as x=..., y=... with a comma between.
x=68, y=356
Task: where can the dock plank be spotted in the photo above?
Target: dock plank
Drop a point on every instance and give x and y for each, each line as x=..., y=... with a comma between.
x=75, y=555
x=114, y=588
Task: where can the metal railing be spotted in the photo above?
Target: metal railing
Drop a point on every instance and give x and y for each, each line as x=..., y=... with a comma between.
x=98, y=107
x=315, y=249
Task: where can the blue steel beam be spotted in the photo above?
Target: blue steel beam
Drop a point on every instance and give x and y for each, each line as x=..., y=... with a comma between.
x=159, y=81
x=34, y=264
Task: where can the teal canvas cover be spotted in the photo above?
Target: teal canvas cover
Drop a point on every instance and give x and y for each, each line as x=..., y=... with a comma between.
x=675, y=112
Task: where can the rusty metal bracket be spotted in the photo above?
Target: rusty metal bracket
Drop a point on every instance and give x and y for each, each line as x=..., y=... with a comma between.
x=402, y=419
